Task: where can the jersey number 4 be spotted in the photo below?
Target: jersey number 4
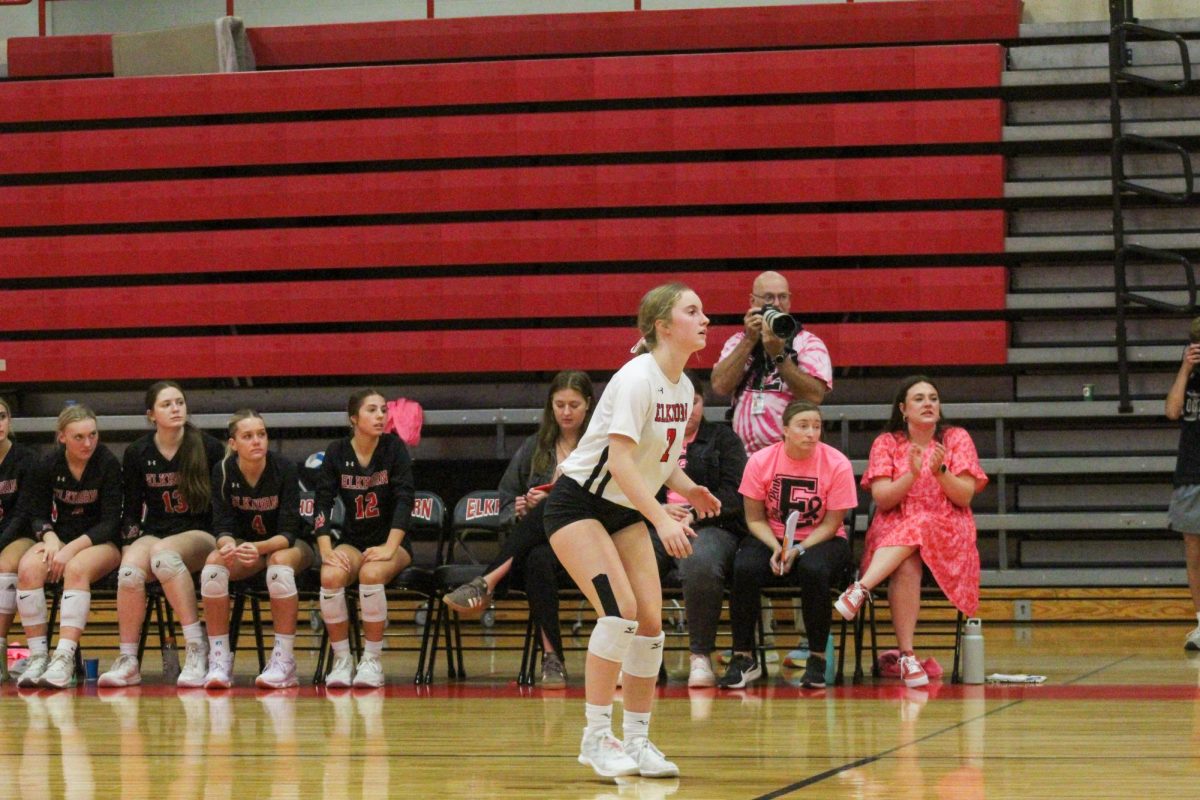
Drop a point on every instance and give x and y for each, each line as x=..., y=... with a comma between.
x=259, y=526
x=366, y=506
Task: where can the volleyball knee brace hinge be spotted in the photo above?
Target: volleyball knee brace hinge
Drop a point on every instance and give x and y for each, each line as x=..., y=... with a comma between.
x=644, y=656
x=75, y=606
x=333, y=606
x=32, y=605
x=611, y=638
x=131, y=578
x=8, y=592
x=214, y=581
x=281, y=581
x=166, y=565
x=372, y=599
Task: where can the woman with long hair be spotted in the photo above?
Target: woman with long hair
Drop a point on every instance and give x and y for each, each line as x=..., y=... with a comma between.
x=16, y=464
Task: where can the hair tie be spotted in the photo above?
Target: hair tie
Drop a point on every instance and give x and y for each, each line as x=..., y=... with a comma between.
x=641, y=343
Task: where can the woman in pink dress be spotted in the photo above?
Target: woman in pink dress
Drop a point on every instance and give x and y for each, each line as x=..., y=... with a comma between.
x=922, y=475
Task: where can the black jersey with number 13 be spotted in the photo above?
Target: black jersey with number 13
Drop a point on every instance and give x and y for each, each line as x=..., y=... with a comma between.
x=154, y=506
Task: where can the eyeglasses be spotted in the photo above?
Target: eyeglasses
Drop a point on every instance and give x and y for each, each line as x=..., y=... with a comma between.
x=772, y=297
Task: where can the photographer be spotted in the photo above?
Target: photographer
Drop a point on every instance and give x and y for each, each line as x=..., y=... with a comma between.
x=763, y=372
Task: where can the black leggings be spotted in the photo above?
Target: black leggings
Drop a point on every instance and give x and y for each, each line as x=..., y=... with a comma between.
x=534, y=563
x=813, y=572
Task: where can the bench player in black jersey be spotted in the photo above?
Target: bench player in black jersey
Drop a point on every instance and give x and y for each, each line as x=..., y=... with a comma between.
x=74, y=502
x=16, y=462
x=372, y=474
x=256, y=519
x=166, y=530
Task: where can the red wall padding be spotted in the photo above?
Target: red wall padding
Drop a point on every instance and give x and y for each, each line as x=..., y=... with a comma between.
x=491, y=135
x=526, y=297
x=542, y=81
x=452, y=351
x=536, y=242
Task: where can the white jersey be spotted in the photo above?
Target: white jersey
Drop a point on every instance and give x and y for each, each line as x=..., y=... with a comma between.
x=639, y=402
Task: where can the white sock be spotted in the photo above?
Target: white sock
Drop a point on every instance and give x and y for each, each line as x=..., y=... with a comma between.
x=128, y=648
x=219, y=644
x=634, y=725
x=193, y=632
x=599, y=718
x=284, y=643
x=66, y=647
x=1198, y=617
x=374, y=648
x=340, y=647
x=39, y=644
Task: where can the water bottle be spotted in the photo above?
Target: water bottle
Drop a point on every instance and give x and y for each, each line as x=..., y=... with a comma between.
x=972, y=652
x=830, y=662
x=170, y=660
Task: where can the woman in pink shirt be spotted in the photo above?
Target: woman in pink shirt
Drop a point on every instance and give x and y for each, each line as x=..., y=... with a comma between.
x=922, y=475
x=805, y=475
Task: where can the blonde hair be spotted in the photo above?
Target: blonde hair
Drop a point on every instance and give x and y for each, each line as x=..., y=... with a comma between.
x=231, y=428
x=656, y=306
x=73, y=414
x=1193, y=333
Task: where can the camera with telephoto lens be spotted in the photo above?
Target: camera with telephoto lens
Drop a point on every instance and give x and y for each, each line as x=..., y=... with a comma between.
x=782, y=324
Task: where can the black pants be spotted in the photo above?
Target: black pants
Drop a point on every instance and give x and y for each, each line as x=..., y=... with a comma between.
x=814, y=572
x=536, y=567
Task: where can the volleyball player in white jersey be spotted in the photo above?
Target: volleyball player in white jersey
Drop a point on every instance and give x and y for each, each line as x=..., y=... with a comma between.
x=597, y=517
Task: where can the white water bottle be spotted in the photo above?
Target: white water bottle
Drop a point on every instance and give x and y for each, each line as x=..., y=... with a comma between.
x=972, y=652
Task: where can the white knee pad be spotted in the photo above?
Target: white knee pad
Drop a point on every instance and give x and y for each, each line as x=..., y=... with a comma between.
x=333, y=606
x=214, y=580
x=167, y=565
x=32, y=605
x=372, y=599
x=8, y=592
x=131, y=578
x=75, y=606
x=644, y=656
x=611, y=638
x=281, y=581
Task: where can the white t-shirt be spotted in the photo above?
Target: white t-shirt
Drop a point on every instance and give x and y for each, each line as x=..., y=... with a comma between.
x=640, y=402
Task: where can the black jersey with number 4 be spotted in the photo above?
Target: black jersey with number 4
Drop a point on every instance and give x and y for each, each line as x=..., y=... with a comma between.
x=254, y=513
x=89, y=505
x=154, y=505
x=377, y=497
x=14, y=473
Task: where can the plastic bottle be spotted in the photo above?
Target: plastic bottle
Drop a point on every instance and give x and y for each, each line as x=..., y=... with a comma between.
x=170, y=660
x=830, y=662
x=972, y=652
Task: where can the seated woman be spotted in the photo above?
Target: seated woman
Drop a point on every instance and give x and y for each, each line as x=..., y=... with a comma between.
x=16, y=465
x=526, y=550
x=256, y=518
x=712, y=456
x=800, y=474
x=922, y=475
x=74, y=500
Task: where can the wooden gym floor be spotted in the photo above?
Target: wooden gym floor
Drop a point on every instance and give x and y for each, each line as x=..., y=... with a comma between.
x=1118, y=717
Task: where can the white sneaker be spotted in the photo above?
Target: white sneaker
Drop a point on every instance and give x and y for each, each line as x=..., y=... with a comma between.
x=370, y=672
x=194, y=666
x=123, y=672
x=342, y=674
x=701, y=674
x=35, y=665
x=1192, y=642
x=61, y=672
x=604, y=753
x=279, y=674
x=650, y=760
x=220, y=672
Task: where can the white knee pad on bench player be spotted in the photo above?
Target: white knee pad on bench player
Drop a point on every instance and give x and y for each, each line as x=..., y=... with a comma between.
x=644, y=656
x=333, y=606
x=75, y=606
x=32, y=605
x=131, y=578
x=611, y=638
x=372, y=599
x=167, y=565
x=214, y=581
x=8, y=592
x=281, y=581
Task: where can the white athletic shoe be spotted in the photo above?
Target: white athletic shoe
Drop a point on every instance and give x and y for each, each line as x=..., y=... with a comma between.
x=220, y=672
x=35, y=665
x=370, y=672
x=61, y=672
x=279, y=674
x=605, y=754
x=123, y=672
x=649, y=759
x=194, y=666
x=342, y=674
x=1192, y=642
x=701, y=674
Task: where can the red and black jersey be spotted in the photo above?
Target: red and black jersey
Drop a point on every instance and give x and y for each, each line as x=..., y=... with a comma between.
x=377, y=497
x=14, y=474
x=153, y=504
x=255, y=513
x=89, y=506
